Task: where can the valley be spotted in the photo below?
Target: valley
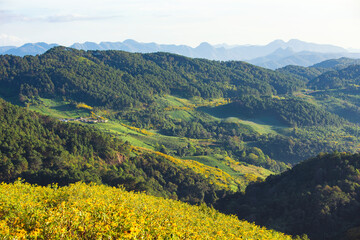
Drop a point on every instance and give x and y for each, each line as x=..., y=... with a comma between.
x=194, y=130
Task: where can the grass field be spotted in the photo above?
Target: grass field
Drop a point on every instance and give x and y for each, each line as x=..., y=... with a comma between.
x=58, y=108
x=263, y=124
x=168, y=100
x=258, y=125
x=181, y=114
x=243, y=172
x=212, y=161
x=230, y=166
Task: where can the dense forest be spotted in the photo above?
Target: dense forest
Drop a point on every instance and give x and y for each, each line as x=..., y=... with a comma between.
x=319, y=197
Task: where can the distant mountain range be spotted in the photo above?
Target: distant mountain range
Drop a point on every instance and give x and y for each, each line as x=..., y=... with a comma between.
x=28, y=49
x=274, y=55
x=283, y=57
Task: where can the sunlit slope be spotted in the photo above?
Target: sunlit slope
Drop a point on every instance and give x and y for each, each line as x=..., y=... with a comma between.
x=83, y=211
x=240, y=178
x=147, y=140
x=43, y=150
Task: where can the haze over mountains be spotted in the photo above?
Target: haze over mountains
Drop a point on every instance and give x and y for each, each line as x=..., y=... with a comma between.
x=274, y=55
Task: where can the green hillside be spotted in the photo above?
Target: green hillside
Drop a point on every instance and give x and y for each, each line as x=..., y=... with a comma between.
x=150, y=139
x=309, y=73
x=118, y=79
x=43, y=150
x=319, y=197
x=305, y=73
x=337, y=64
x=344, y=78
x=337, y=89
x=255, y=115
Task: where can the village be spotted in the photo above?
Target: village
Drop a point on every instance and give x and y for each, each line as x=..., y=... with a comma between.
x=92, y=120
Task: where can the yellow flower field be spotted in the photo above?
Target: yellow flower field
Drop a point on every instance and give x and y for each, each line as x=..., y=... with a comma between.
x=82, y=211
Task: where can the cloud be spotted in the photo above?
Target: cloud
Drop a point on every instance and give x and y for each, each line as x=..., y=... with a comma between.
x=75, y=18
x=8, y=40
x=8, y=17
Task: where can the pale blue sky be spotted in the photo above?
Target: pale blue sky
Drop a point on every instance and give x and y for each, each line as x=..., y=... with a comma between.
x=187, y=22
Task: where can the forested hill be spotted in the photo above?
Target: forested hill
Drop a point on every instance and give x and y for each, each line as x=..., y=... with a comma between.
x=306, y=73
x=337, y=64
x=319, y=197
x=344, y=78
x=136, y=88
x=309, y=73
x=117, y=79
x=43, y=150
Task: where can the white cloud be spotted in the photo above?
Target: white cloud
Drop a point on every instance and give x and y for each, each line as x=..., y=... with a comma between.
x=7, y=40
x=9, y=17
x=74, y=18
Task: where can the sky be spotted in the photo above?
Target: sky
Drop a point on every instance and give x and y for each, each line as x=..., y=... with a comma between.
x=188, y=22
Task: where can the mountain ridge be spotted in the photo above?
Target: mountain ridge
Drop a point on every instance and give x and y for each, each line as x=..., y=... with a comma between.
x=303, y=58
x=302, y=53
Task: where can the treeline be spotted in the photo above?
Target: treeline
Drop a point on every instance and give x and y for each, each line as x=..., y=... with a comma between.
x=319, y=197
x=43, y=150
x=116, y=79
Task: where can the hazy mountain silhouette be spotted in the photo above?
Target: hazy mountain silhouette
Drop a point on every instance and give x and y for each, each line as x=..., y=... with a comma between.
x=30, y=49
x=274, y=55
x=6, y=48
x=281, y=58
